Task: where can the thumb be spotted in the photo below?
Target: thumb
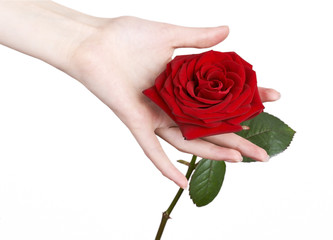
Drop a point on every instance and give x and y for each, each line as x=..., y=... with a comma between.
x=199, y=37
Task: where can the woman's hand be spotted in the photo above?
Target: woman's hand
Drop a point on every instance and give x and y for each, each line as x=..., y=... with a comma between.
x=116, y=59
x=123, y=57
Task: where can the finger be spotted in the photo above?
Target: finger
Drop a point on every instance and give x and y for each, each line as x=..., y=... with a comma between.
x=153, y=150
x=268, y=94
x=198, y=147
x=245, y=147
x=199, y=37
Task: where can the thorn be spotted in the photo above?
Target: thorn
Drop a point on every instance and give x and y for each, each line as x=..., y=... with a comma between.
x=166, y=215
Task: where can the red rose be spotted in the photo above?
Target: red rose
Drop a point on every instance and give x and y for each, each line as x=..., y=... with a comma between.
x=208, y=93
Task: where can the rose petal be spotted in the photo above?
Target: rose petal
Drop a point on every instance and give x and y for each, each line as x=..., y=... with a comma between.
x=192, y=131
x=185, y=99
x=177, y=62
x=236, y=68
x=190, y=91
x=206, y=113
x=252, y=83
x=212, y=94
x=238, y=83
x=241, y=100
x=211, y=57
x=156, y=98
x=255, y=110
x=238, y=58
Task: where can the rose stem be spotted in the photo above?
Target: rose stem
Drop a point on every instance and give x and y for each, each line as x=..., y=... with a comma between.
x=166, y=214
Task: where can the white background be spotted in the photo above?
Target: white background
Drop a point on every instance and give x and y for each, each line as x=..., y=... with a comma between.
x=69, y=169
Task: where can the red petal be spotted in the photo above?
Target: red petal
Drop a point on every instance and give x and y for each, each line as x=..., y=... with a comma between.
x=192, y=131
x=155, y=97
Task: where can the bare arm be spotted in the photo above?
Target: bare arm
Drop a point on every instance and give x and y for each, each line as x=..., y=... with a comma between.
x=116, y=59
x=44, y=29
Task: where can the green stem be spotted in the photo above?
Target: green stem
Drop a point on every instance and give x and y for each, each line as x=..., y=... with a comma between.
x=166, y=214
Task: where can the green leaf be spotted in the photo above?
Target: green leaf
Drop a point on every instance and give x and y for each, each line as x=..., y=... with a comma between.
x=268, y=132
x=206, y=181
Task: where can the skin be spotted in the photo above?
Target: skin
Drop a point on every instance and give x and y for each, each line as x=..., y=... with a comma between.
x=116, y=59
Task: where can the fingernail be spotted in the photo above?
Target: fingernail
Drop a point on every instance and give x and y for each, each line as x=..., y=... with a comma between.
x=183, y=185
x=240, y=159
x=231, y=161
x=225, y=28
x=267, y=158
x=246, y=127
x=236, y=159
x=275, y=95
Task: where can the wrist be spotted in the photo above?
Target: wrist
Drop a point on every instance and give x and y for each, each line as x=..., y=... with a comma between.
x=69, y=39
x=50, y=32
x=68, y=30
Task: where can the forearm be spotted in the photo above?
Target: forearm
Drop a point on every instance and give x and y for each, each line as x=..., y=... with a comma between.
x=44, y=30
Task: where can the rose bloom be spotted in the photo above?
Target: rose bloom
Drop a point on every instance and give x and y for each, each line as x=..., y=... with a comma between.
x=208, y=93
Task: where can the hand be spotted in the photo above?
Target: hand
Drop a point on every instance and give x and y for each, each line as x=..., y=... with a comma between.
x=123, y=57
x=116, y=59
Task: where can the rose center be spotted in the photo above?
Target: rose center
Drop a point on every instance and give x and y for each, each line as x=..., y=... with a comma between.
x=216, y=84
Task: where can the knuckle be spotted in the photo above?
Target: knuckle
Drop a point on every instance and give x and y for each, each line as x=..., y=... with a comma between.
x=215, y=152
x=240, y=143
x=234, y=155
x=137, y=121
x=220, y=153
x=153, y=152
x=182, y=146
